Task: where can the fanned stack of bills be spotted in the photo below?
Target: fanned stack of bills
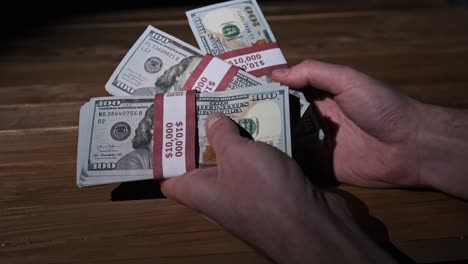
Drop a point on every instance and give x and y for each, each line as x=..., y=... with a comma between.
x=160, y=63
x=148, y=129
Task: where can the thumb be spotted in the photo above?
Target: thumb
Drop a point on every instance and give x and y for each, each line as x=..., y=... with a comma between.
x=332, y=78
x=195, y=189
x=222, y=133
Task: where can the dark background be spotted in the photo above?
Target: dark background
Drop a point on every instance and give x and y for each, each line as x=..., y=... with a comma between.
x=18, y=16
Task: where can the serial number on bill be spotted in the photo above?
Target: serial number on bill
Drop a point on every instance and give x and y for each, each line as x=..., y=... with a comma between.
x=120, y=113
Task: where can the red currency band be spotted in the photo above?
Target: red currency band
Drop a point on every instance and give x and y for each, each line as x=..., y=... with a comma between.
x=170, y=127
x=197, y=72
x=158, y=125
x=190, y=135
x=227, y=78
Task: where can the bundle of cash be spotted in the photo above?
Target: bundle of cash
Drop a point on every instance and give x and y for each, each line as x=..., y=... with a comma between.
x=134, y=138
x=237, y=32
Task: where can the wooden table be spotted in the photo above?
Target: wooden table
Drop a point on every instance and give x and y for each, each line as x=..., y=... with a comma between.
x=48, y=73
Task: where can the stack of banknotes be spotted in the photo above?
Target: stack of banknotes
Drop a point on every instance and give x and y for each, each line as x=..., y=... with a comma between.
x=162, y=91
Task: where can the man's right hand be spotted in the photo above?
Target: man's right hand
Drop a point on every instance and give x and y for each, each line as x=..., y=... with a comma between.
x=384, y=138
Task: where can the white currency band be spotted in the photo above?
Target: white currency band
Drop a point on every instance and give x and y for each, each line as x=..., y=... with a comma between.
x=174, y=111
x=214, y=71
x=270, y=57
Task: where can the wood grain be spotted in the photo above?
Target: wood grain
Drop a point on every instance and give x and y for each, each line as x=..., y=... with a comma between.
x=420, y=47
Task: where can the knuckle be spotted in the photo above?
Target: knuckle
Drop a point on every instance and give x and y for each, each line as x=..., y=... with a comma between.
x=348, y=77
x=308, y=63
x=348, y=71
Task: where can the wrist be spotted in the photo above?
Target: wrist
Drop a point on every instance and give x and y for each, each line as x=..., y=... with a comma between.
x=442, y=148
x=320, y=234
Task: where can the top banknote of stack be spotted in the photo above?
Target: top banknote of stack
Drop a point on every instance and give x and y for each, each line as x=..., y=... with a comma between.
x=159, y=62
x=237, y=32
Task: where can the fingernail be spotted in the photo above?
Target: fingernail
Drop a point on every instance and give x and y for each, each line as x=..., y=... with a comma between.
x=281, y=72
x=210, y=220
x=213, y=119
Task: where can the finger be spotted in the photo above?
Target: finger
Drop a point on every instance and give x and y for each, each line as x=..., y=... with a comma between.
x=209, y=219
x=373, y=106
x=335, y=79
x=195, y=189
x=222, y=133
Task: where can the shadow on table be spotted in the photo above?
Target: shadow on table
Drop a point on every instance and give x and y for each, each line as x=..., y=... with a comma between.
x=137, y=190
x=372, y=226
x=313, y=150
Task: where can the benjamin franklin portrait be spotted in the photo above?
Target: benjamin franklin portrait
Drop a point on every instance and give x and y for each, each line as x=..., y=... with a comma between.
x=142, y=142
x=173, y=79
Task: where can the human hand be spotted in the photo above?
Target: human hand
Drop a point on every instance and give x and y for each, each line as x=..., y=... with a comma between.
x=376, y=126
x=261, y=195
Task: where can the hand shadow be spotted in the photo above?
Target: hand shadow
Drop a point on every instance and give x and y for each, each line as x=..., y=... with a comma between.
x=137, y=190
x=315, y=157
x=358, y=212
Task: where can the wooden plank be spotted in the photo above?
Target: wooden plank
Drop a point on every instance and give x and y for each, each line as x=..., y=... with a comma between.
x=188, y=247
x=100, y=227
x=63, y=226
x=399, y=67
x=110, y=231
x=56, y=115
x=50, y=93
x=444, y=94
x=30, y=116
x=413, y=214
x=53, y=184
x=66, y=114
x=231, y=258
x=404, y=46
x=98, y=219
x=38, y=146
x=321, y=34
x=436, y=250
x=46, y=218
x=445, y=76
x=46, y=184
x=409, y=68
x=268, y=8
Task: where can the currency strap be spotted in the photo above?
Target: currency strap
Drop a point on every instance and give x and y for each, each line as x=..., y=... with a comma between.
x=173, y=134
x=257, y=60
x=211, y=74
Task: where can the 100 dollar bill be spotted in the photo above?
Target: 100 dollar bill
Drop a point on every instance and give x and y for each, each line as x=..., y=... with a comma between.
x=116, y=133
x=160, y=63
x=231, y=25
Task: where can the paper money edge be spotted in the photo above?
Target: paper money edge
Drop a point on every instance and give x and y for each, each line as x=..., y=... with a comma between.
x=82, y=126
x=110, y=88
